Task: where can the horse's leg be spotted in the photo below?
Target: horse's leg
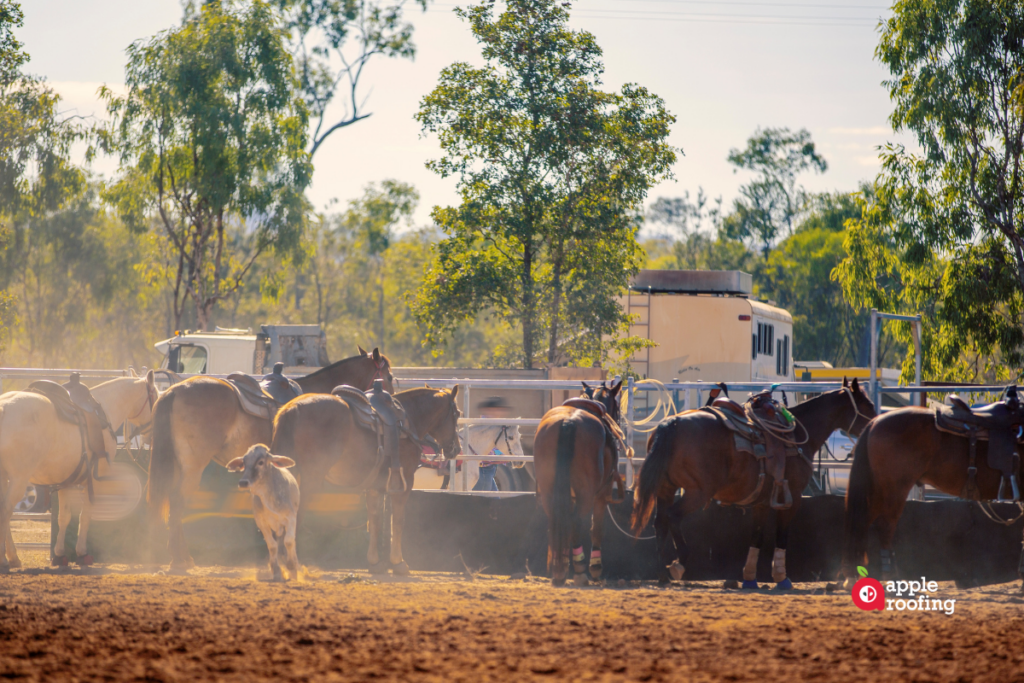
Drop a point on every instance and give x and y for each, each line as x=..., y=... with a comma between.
x=662, y=530
x=60, y=553
x=15, y=491
x=886, y=536
x=12, y=553
x=581, y=515
x=783, y=519
x=756, y=541
x=596, y=533
x=398, y=501
x=81, y=546
x=374, y=513
x=691, y=501
x=181, y=560
x=289, y=547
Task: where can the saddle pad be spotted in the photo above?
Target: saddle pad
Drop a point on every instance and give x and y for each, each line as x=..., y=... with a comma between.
x=59, y=397
x=726, y=403
x=588, y=405
x=257, y=404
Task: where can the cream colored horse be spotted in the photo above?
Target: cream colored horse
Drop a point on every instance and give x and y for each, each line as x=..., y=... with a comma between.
x=38, y=447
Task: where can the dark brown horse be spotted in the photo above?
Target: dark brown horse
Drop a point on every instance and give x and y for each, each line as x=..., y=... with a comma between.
x=575, y=457
x=320, y=433
x=898, y=450
x=695, y=452
x=201, y=420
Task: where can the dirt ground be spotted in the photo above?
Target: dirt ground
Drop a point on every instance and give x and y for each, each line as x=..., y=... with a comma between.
x=122, y=623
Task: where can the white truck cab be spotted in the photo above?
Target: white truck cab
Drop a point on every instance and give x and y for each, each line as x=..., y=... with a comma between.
x=302, y=348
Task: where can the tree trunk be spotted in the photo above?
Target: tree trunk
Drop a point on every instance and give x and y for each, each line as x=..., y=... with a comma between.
x=529, y=314
x=556, y=303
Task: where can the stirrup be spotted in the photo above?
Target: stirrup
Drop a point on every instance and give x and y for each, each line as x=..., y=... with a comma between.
x=1014, y=488
x=401, y=474
x=787, y=497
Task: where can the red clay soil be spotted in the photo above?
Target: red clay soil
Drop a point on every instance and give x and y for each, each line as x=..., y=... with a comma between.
x=224, y=625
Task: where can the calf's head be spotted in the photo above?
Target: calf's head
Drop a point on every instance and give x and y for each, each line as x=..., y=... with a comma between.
x=257, y=464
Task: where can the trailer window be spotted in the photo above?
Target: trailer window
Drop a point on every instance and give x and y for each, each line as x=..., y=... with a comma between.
x=778, y=358
x=785, y=355
x=188, y=359
x=753, y=346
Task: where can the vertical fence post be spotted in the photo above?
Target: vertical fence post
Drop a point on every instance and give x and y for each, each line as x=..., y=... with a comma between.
x=874, y=360
x=917, y=360
x=629, y=429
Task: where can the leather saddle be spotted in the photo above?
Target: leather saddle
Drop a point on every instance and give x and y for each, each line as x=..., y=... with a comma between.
x=377, y=411
x=264, y=398
x=1000, y=424
x=749, y=436
x=76, y=405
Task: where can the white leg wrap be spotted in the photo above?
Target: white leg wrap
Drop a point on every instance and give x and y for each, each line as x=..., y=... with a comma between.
x=750, y=568
x=779, y=565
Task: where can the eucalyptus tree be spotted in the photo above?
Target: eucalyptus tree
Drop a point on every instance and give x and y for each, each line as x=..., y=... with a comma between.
x=944, y=234
x=552, y=172
x=210, y=133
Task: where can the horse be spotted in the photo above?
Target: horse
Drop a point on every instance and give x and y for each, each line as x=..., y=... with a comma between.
x=37, y=446
x=695, y=451
x=898, y=450
x=201, y=420
x=321, y=435
x=575, y=457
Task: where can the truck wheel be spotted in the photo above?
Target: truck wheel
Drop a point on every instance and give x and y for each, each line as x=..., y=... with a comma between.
x=37, y=499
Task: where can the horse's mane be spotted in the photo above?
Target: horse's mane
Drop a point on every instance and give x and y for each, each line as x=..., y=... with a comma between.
x=337, y=364
x=416, y=392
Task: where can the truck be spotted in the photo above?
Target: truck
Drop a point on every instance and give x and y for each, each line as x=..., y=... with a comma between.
x=302, y=349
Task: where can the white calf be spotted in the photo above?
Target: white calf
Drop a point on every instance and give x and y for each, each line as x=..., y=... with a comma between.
x=275, y=501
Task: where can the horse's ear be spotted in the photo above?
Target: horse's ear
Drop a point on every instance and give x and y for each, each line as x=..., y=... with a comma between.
x=151, y=379
x=362, y=351
x=376, y=354
x=846, y=382
x=236, y=465
x=132, y=373
x=615, y=388
x=855, y=386
x=455, y=391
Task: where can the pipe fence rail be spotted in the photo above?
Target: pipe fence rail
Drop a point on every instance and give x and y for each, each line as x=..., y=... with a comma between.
x=692, y=395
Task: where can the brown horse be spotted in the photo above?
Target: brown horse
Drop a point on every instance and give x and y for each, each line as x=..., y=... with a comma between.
x=575, y=457
x=898, y=450
x=695, y=451
x=201, y=420
x=319, y=432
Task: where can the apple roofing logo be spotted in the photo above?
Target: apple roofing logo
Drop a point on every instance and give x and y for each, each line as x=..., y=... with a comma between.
x=868, y=594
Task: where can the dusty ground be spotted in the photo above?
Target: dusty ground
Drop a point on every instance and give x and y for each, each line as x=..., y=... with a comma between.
x=120, y=623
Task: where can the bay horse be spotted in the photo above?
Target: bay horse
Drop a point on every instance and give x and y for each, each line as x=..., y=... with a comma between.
x=898, y=450
x=37, y=446
x=694, y=451
x=575, y=458
x=321, y=435
x=201, y=420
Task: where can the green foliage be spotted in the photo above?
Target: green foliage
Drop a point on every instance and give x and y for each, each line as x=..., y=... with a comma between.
x=210, y=135
x=552, y=173
x=771, y=202
x=332, y=42
x=944, y=235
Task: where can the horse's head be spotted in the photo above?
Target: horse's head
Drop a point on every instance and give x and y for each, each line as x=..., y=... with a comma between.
x=862, y=410
x=606, y=396
x=380, y=368
x=446, y=433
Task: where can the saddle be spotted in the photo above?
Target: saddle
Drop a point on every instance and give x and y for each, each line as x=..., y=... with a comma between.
x=1001, y=425
x=749, y=436
x=378, y=412
x=264, y=398
x=75, y=404
x=595, y=408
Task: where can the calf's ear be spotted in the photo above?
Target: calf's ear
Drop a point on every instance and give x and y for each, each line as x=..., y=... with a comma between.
x=236, y=465
x=282, y=461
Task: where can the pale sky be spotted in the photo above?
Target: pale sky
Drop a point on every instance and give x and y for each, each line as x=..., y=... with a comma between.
x=723, y=68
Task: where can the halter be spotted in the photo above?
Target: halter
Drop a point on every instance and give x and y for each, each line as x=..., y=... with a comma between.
x=856, y=411
x=378, y=370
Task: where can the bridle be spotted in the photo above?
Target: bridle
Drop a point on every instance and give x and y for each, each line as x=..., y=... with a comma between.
x=856, y=411
x=378, y=370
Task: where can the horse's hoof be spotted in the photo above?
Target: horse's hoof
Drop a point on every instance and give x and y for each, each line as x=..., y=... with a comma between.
x=517, y=576
x=676, y=570
x=182, y=566
x=380, y=568
x=400, y=569
x=749, y=586
x=85, y=560
x=5, y=568
x=784, y=585
x=580, y=579
x=59, y=561
x=558, y=583
x=731, y=585
x=664, y=578
x=15, y=563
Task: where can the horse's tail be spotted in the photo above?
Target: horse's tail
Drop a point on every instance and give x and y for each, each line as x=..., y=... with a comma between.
x=858, y=502
x=163, y=462
x=652, y=475
x=562, y=504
